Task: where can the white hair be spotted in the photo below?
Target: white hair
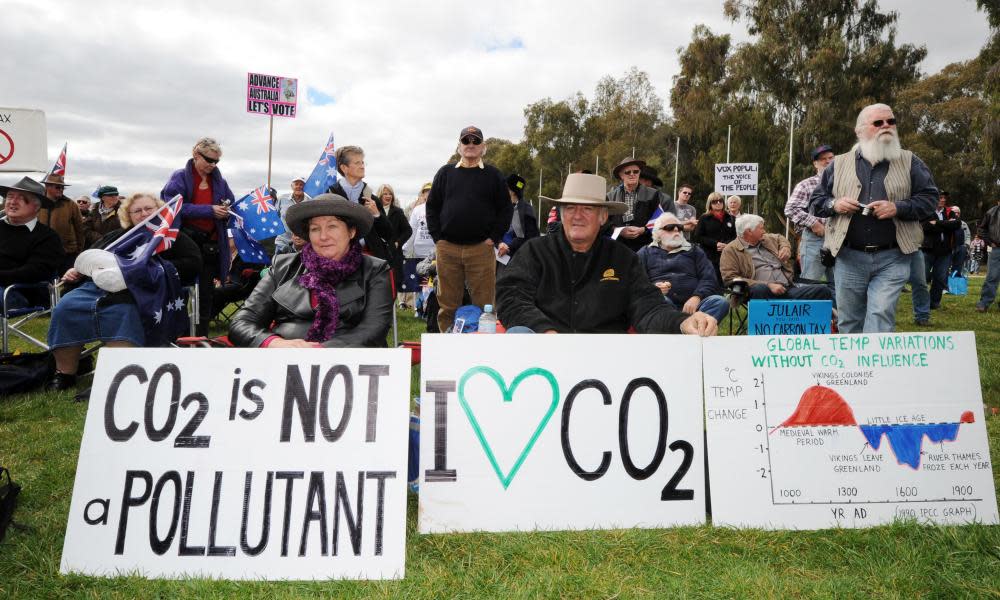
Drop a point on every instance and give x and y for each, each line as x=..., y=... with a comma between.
x=863, y=115
x=658, y=224
x=747, y=222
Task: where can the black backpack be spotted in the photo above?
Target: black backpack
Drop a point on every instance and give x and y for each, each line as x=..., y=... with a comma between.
x=25, y=372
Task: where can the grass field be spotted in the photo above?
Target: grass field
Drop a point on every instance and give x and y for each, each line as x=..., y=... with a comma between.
x=40, y=439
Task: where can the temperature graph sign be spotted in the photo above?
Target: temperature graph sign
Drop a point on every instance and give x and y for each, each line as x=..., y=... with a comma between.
x=807, y=432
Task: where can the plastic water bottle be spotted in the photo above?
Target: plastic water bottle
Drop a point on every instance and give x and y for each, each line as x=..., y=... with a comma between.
x=488, y=320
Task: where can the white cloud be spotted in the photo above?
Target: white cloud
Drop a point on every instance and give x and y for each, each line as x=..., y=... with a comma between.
x=131, y=86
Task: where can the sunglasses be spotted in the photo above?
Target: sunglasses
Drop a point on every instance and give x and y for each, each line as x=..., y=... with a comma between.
x=631, y=172
x=716, y=202
x=469, y=140
x=672, y=227
x=879, y=122
x=211, y=161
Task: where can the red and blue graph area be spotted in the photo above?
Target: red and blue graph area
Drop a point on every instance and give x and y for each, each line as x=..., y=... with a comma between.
x=821, y=406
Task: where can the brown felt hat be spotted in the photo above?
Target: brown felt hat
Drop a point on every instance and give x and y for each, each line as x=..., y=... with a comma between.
x=352, y=213
x=626, y=162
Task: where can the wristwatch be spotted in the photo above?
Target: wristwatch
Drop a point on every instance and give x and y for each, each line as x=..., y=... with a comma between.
x=829, y=205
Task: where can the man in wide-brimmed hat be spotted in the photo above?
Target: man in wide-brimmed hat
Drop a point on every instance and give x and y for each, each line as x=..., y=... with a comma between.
x=30, y=252
x=574, y=281
x=62, y=214
x=640, y=203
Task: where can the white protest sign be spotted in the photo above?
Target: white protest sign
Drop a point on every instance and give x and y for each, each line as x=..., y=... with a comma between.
x=23, y=140
x=243, y=464
x=272, y=95
x=807, y=432
x=736, y=178
x=525, y=432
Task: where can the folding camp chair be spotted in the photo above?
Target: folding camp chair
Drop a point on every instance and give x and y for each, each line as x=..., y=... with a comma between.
x=14, y=320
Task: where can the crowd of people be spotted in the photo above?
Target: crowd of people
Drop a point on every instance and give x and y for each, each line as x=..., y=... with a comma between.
x=622, y=258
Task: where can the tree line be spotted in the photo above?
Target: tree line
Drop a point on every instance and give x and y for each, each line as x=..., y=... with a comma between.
x=817, y=61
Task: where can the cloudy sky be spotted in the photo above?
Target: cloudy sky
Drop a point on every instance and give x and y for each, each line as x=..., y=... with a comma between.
x=131, y=85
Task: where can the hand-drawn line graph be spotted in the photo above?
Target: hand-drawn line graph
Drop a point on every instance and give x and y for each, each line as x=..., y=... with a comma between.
x=822, y=415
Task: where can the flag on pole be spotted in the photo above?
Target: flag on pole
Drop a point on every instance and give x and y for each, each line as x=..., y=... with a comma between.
x=59, y=168
x=249, y=249
x=152, y=281
x=324, y=174
x=259, y=217
x=652, y=219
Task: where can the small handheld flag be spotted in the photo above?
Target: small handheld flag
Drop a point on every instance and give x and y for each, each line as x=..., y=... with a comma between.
x=259, y=217
x=324, y=174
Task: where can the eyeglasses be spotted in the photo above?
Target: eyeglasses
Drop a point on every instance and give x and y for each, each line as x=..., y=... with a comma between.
x=672, y=227
x=879, y=122
x=631, y=172
x=211, y=161
x=142, y=211
x=716, y=202
x=469, y=140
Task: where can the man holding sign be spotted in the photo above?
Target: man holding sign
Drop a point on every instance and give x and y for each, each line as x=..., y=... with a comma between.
x=573, y=281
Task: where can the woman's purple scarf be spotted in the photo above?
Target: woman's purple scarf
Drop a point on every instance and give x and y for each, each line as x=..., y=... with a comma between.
x=321, y=278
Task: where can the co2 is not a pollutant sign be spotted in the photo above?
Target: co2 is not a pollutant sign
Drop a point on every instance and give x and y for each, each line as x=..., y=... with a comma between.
x=519, y=433
x=290, y=465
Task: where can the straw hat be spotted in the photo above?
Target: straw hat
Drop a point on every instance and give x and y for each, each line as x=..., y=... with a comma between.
x=587, y=190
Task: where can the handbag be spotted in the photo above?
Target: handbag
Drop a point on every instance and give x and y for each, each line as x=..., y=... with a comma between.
x=958, y=285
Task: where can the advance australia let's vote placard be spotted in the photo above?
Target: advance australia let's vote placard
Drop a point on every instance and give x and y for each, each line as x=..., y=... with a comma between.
x=243, y=464
x=525, y=432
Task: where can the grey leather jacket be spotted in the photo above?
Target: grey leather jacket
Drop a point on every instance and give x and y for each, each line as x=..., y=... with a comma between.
x=279, y=299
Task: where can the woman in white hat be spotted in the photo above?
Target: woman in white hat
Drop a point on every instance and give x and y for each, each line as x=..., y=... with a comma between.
x=329, y=294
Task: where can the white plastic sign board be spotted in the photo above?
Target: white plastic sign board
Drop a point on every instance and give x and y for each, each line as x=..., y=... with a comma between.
x=243, y=464
x=738, y=179
x=272, y=95
x=23, y=140
x=808, y=432
x=547, y=432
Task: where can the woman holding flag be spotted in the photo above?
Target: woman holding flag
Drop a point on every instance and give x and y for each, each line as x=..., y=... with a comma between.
x=329, y=294
x=101, y=307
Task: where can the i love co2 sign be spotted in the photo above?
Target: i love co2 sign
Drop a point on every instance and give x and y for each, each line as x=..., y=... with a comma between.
x=560, y=432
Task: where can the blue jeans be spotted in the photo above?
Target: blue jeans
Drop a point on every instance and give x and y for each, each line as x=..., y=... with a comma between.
x=989, y=292
x=918, y=283
x=812, y=265
x=936, y=268
x=868, y=288
x=712, y=305
x=808, y=291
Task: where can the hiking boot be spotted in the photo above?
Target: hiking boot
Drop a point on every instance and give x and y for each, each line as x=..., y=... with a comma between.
x=922, y=322
x=61, y=381
x=980, y=309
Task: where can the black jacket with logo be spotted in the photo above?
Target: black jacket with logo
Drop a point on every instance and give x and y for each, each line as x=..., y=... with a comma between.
x=612, y=293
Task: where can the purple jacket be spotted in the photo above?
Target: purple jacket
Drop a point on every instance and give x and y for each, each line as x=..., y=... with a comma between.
x=182, y=182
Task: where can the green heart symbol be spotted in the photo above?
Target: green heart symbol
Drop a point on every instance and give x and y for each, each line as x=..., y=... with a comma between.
x=507, y=397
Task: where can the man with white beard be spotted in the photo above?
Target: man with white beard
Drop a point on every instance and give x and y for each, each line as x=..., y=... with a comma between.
x=874, y=197
x=681, y=271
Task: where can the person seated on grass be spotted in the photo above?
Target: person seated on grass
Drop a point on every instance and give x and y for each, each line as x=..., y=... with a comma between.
x=681, y=271
x=573, y=281
x=329, y=294
x=30, y=252
x=100, y=309
x=763, y=260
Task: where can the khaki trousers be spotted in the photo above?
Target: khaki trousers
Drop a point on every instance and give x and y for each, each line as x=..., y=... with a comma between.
x=459, y=266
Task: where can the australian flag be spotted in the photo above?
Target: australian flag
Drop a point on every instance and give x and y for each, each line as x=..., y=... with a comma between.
x=260, y=219
x=325, y=173
x=250, y=249
x=59, y=168
x=152, y=281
